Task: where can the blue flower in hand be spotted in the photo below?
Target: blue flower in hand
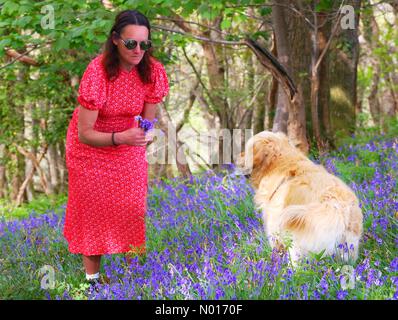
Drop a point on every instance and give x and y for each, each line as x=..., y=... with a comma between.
x=145, y=123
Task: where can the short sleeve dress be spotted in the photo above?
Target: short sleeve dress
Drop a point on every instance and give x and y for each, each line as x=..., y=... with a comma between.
x=105, y=212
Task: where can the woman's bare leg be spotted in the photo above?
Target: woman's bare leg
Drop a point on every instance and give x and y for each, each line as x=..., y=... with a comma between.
x=92, y=264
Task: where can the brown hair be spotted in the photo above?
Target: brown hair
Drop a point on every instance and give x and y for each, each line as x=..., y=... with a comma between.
x=111, y=57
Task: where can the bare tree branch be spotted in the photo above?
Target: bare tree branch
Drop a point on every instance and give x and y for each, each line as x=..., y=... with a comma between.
x=335, y=27
x=36, y=162
x=232, y=43
x=181, y=23
x=21, y=57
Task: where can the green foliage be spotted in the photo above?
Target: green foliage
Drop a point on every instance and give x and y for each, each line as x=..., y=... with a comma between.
x=365, y=76
x=351, y=171
x=41, y=204
x=360, y=168
x=324, y=5
x=365, y=133
x=260, y=34
x=266, y=11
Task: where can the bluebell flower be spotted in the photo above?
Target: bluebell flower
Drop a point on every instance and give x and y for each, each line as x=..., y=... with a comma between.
x=394, y=265
x=145, y=123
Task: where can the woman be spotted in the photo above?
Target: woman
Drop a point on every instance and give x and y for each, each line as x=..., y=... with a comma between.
x=105, y=147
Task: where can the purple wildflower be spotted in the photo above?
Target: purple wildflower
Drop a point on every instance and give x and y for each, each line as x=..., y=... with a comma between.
x=145, y=123
x=324, y=286
x=394, y=265
x=341, y=294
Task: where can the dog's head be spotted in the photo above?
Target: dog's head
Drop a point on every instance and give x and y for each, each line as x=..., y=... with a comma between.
x=262, y=152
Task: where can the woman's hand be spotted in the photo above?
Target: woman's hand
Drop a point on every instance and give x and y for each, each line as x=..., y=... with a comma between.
x=131, y=137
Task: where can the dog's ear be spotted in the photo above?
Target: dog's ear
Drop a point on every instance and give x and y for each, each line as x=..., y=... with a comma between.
x=265, y=151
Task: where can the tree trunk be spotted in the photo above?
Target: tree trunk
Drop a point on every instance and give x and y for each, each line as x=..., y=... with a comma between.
x=17, y=159
x=319, y=93
x=324, y=32
x=215, y=71
x=374, y=103
x=292, y=48
x=28, y=136
x=52, y=166
x=16, y=176
x=174, y=146
x=260, y=116
x=282, y=48
x=371, y=35
x=216, y=74
x=61, y=165
x=393, y=88
x=272, y=96
x=344, y=53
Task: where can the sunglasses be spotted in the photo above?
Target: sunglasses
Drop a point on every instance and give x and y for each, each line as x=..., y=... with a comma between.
x=131, y=44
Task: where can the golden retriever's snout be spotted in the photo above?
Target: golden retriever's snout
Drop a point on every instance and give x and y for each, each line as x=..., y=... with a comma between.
x=242, y=165
x=240, y=160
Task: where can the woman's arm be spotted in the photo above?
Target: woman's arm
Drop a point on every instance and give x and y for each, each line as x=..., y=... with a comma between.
x=86, y=131
x=149, y=111
x=87, y=134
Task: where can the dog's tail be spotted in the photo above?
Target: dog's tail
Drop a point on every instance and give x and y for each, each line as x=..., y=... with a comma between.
x=327, y=225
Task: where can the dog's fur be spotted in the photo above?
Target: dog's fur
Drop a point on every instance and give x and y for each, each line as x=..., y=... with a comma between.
x=301, y=200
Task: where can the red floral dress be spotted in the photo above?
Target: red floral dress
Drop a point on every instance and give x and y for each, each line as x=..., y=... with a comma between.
x=107, y=189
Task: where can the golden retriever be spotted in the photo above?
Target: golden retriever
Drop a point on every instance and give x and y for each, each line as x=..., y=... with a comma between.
x=300, y=201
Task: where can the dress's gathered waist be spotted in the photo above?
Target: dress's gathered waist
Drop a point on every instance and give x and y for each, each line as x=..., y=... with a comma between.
x=114, y=124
